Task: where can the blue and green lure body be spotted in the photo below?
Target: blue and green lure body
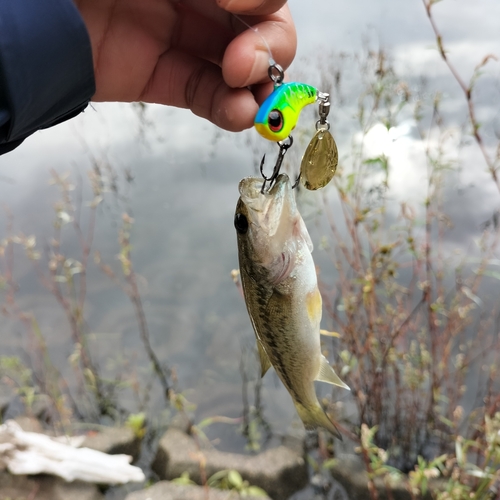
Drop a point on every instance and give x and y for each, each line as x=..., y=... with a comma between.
x=279, y=113
x=277, y=117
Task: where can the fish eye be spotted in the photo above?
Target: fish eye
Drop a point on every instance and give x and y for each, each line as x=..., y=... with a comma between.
x=275, y=120
x=241, y=223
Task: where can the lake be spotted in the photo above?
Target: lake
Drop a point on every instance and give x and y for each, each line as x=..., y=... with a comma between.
x=176, y=175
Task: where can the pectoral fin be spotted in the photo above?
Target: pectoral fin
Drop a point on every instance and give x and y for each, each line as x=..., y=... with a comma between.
x=265, y=364
x=328, y=375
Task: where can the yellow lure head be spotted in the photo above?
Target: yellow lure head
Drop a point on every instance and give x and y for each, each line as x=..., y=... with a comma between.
x=280, y=112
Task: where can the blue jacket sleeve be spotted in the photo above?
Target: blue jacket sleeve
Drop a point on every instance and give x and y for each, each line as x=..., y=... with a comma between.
x=46, y=70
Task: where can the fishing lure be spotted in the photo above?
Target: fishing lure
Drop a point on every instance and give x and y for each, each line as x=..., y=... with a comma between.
x=277, y=117
x=280, y=112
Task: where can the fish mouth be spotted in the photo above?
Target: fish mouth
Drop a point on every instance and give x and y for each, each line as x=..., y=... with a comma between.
x=250, y=189
x=269, y=209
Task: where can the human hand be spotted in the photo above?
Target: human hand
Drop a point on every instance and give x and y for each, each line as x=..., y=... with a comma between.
x=189, y=53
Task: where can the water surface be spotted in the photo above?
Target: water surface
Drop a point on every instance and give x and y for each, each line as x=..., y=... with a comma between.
x=183, y=193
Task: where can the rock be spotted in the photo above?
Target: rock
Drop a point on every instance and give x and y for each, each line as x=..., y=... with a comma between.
x=279, y=471
x=294, y=443
x=115, y=441
x=354, y=479
x=29, y=424
x=45, y=488
x=181, y=421
x=165, y=490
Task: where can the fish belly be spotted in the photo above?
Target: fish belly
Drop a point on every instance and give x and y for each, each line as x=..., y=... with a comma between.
x=295, y=346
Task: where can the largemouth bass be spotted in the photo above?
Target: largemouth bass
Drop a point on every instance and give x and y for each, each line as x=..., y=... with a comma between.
x=281, y=293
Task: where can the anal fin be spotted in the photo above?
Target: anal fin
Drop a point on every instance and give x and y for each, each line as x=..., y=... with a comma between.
x=328, y=375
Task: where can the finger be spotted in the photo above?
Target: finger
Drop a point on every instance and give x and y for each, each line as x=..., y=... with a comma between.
x=186, y=81
x=251, y=7
x=262, y=91
x=210, y=10
x=246, y=60
x=223, y=14
x=201, y=36
x=248, y=56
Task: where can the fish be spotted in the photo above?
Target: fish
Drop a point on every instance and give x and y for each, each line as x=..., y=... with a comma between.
x=281, y=293
x=279, y=113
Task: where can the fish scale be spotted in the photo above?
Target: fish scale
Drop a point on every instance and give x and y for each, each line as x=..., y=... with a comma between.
x=281, y=293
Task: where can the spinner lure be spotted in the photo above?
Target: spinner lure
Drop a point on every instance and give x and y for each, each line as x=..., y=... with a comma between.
x=278, y=116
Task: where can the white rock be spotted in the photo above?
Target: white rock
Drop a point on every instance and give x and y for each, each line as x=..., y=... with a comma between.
x=33, y=453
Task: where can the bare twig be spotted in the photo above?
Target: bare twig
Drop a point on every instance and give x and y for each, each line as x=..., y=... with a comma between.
x=466, y=89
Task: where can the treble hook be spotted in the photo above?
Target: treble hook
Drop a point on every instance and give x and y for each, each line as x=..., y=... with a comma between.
x=284, y=146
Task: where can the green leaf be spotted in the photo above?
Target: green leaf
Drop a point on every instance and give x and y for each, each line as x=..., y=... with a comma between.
x=255, y=491
x=235, y=479
x=183, y=479
x=459, y=452
x=446, y=421
x=136, y=422
x=477, y=472
x=216, y=478
x=492, y=274
x=330, y=463
x=350, y=182
x=205, y=423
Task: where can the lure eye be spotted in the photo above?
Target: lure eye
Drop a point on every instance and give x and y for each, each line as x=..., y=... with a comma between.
x=241, y=223
x=275, y=120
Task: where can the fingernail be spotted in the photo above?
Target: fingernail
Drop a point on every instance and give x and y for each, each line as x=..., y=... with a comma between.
x=239, y=6
x=259, y=68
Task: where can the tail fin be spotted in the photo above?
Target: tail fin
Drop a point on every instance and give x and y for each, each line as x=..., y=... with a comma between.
x=314, y=416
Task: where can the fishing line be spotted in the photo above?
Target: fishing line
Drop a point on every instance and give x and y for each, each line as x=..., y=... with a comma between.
x=272, y=62
x=276, y=118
